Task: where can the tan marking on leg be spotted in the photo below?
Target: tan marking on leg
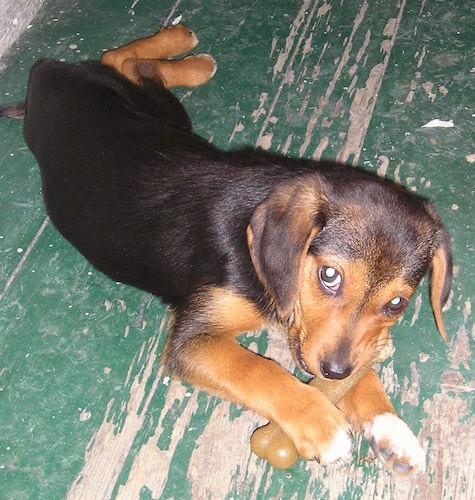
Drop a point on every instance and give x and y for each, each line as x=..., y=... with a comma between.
x=212, y=359
x=316, y=427
x=234, y=314
x=168, y=42
x=187, y=72
x=365, y=400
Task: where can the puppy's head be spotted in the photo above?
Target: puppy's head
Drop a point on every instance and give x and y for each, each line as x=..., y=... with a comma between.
x=340, y=253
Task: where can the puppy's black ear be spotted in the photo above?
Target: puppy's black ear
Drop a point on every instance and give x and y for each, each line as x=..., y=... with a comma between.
x=440, y=279
x=279, y=234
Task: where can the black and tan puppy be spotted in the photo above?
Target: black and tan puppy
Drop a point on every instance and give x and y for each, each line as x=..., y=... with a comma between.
x=236, y=241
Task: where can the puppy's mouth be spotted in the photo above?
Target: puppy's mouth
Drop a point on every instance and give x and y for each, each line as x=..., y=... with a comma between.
x=296, y=351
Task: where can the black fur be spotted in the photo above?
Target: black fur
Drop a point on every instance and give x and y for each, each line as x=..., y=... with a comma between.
x=151, y=204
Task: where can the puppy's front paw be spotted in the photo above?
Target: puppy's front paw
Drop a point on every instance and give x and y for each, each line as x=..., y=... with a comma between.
x=396, y=445
x=319, y=430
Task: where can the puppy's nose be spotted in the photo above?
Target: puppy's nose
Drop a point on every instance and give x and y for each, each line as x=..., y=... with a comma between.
x=335, y=370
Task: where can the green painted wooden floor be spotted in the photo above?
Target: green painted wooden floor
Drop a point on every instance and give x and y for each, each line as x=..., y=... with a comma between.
x=85, y=410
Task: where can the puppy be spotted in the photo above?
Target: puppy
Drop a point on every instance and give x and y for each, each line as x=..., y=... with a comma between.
x=237, y=241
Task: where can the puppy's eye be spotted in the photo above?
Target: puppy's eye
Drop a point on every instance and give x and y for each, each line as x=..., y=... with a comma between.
x=330, y=278
x=395, y=306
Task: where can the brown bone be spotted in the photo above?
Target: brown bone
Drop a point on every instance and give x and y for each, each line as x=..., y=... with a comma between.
x=270, y=443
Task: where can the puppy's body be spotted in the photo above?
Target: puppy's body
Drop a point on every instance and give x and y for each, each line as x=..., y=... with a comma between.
x=237, y=241
x=145, y=200
x=153, y=205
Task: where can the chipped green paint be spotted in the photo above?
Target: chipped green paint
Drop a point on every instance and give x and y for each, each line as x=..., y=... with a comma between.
x=85, y=409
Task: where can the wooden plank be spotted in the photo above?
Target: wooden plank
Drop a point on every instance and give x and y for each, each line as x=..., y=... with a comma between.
x=14, y=18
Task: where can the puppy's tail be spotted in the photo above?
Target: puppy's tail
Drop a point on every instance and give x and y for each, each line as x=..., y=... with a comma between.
x=14, y=110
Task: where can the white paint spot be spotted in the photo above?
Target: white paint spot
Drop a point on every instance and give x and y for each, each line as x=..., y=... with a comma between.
x=237, y=129
x=470, y=158
x=417, y=309
x=436, y=123
x=177, y=20
x=383, y=167
x=265, y=141
x=19, y=250
x=454, y=207
x=428, y=86
x=322, y=145
x=260, y=109
x=423, y=357
x=84, y=416
x=73, y=46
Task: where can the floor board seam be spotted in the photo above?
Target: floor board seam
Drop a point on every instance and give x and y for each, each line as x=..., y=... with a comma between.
x=22, y=261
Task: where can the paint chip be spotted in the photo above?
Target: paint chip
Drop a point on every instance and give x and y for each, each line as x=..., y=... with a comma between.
x=470, y=158
x=423, y=357
x=177, y=20
x=265, y=141
x=436, y=123
x=84, y=416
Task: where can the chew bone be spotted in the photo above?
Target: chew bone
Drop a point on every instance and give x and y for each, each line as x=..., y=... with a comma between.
x=270, y=443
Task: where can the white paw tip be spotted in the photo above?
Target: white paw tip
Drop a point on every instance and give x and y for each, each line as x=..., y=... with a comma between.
x=399, y=439
x=339, y=449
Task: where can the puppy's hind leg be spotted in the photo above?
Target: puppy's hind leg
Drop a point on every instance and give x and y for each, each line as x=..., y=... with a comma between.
x=190, y=71
x=168, y=42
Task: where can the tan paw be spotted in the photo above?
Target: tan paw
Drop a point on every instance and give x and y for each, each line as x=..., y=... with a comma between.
x=187, y=72
x=319, y=430
x=168, y=42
